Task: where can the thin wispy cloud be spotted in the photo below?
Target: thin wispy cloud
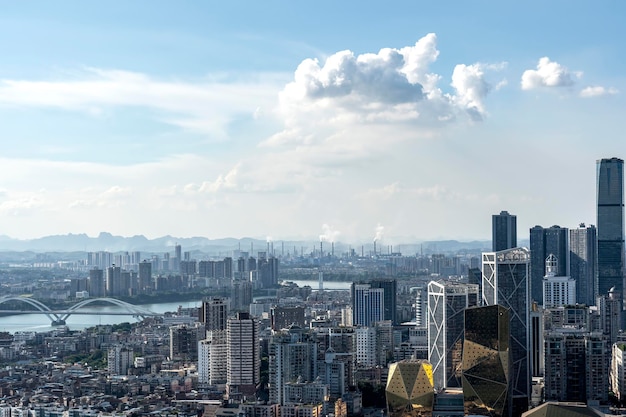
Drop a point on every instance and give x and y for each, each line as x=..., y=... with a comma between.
x=202, y=106
x=597, y=91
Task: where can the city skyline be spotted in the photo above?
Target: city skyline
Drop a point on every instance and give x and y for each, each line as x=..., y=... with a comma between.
x=396, y=123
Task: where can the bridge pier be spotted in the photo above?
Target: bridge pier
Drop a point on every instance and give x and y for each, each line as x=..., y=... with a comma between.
x=59, y=322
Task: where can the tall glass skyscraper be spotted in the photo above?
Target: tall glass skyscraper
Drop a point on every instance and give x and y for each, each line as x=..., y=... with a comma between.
x=543, y=243
x=583, y=265
x=368, y=304
x=610, y=225
x=390, y=293
x=447, y=302
x=486, y=358
x=506, y=283
x=503, y=231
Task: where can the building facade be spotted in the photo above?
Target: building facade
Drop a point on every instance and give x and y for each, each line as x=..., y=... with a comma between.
x=368, y=304
x=410, y=388
x=506, y=283
x=184, y=342
x=610, y=224
x=618, y=371
x=503, y=231
x=583, y=263
x=292, y=356
x=447, y=302
x=543, y=243
x=557, y=290
x=213, y=313
x=390, y=291
x=486, y=357
x=244, y=355
x=576, y=366
x=119, y=360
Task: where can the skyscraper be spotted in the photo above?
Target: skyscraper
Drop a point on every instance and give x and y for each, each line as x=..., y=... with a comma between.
x=113, y=281
x=368, y=304
x=241, y=295
x=583, y=264
x=177, y=255
x=145, y=276
x=576, y=365
x=447, y=302
x=503, y=231
x=184, y=342
x=292, y=356
x=505, y=282
x=543, y=243
x=96, y=283
x=244, y=355
x=390, y=293
x=486, y=357
x=610, y=223
x=213, y=351
x=214, y=313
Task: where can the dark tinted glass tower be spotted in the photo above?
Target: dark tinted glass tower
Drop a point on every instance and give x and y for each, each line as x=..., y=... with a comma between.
x=583, y=265
x=544, y=242
x=506, y=283
x=390, y=293
x=610, y=199
x=486, y=362
x=503, y=231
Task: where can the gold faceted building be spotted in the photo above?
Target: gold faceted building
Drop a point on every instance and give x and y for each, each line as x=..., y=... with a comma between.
x=410, y=388
x=486, y=361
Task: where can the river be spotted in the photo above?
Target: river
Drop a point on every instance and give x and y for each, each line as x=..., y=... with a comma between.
x=328, y=285
x=41, y=323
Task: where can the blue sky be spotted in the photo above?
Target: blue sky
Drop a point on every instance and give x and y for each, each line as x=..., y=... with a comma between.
x=344, y=120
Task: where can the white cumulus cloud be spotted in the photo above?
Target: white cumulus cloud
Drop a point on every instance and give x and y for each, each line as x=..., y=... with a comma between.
x=390, y=86
x=471, y=88
x=548, y=74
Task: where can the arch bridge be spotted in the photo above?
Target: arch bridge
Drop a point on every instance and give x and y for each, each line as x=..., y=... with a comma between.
x=59, y=317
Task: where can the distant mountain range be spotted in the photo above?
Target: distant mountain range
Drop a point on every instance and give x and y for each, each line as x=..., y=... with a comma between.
x=111, y=243
x=108, y=242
